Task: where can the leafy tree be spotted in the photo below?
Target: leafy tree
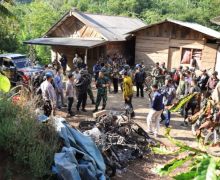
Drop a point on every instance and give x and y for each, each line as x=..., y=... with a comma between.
x=35, y=17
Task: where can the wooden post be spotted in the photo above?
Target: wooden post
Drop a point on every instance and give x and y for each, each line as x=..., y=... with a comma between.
x=85, y=58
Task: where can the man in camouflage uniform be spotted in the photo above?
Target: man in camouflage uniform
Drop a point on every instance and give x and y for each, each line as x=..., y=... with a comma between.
x=102, y=84
x=156, y=73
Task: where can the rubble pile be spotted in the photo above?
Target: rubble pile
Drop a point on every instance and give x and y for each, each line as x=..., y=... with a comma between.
x=119, y=139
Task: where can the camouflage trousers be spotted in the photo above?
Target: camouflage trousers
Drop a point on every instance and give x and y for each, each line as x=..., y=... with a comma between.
x=101, y=97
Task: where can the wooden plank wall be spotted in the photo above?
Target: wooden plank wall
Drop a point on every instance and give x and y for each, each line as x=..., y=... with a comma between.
x=115, y=48
x=209, y=54
x=151, y=49
x=170, y=30
x=72, y=27
x=152, y=44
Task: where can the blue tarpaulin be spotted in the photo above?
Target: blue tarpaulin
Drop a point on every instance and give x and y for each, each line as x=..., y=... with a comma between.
x=79, y=158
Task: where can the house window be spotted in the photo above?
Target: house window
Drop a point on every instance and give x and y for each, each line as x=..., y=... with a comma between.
x=190, y=55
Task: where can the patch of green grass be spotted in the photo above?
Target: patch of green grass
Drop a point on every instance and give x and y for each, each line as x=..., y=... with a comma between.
x=32, y=144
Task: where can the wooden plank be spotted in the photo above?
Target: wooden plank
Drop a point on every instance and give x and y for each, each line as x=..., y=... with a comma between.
x=187, y=44
x=209, y=56
x=152, y=38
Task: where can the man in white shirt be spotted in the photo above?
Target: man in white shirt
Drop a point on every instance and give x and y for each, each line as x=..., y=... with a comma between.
x=48, y=94
x=76, y=74
x=70, y=94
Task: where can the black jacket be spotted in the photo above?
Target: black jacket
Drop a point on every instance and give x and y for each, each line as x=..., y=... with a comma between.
x=82, y=85
x=202, y=81
x=140, y=77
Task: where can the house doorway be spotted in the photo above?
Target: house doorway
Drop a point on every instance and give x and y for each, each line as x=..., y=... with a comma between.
x=130, y=51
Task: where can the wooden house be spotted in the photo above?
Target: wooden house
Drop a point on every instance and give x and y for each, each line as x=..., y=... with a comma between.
x=90, y=36
x=175, y=43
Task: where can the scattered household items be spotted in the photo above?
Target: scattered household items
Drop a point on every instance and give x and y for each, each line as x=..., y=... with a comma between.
x=119, y=139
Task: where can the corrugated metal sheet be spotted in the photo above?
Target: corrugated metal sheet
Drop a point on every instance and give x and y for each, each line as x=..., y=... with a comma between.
x=113, y=28
x=197, y=27
x=66, y=42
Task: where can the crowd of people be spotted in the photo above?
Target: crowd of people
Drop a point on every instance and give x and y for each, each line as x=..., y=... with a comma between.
x=79, y=83
x=170, y=86
x=166, y=87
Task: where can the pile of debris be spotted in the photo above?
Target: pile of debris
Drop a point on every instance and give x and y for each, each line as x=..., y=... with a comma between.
x=118, y=138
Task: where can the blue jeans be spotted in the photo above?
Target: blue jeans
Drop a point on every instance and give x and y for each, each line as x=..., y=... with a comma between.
x=166, y=115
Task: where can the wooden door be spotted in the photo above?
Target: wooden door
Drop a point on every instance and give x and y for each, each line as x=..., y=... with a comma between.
x=174, y=57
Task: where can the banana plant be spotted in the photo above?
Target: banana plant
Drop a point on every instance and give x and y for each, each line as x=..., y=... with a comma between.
x=202, y=165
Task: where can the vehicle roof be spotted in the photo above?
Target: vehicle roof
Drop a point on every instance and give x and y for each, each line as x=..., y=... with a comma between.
x=12, y=55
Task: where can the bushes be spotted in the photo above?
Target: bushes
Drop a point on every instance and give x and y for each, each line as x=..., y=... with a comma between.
x=32, y=144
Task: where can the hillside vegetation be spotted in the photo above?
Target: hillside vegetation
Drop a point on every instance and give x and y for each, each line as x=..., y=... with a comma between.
x=33, y=18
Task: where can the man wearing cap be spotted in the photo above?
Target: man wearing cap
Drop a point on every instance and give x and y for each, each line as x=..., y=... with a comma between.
x=48, y=94
x=81, y=89
x=101, y=85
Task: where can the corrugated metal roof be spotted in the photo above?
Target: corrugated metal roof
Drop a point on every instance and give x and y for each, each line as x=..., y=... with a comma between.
x=86, y=43
x=113, y=28
x=197, y=27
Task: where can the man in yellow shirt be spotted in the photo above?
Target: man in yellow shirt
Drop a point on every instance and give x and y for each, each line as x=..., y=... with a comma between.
x=128, y=91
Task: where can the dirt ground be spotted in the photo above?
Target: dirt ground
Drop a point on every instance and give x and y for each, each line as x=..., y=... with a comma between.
x=141, y=169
